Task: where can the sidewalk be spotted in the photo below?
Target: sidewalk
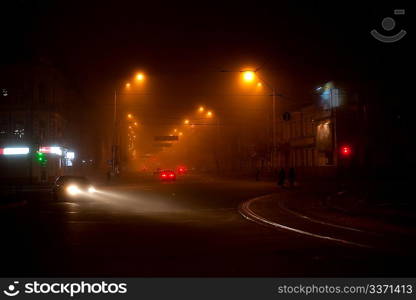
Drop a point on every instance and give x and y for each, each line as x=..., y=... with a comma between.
x=14, y=195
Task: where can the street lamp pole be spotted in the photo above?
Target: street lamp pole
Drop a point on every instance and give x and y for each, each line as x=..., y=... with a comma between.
x=274, y=128
x=274, y=142
x=114, y=146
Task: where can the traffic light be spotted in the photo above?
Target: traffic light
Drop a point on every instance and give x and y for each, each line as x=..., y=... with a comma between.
x=346, y=150
x=41, y=158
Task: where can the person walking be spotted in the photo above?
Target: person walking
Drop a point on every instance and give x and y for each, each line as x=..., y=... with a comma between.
x=108, y=177
x=281, y=178
x=257, y=174
x=292, y=177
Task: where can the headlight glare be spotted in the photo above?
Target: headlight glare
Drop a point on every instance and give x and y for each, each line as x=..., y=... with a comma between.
x=73, y=190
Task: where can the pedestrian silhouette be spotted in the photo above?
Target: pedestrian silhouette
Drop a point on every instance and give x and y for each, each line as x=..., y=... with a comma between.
x=281, y=177
x=292, y=177
x=108, y=177
x=257, y=174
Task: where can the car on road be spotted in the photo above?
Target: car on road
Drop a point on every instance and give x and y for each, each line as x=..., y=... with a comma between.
x=167, y=175
x=69, y=187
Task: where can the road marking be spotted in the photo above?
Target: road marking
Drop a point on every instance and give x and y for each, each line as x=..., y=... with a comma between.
x=285, y=208
x=246, y=212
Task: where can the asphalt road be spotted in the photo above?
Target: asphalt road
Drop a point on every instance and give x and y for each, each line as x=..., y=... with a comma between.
x=187, y=228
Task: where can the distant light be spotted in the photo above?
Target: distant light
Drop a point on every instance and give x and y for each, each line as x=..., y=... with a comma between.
x=186, y=122
x=140, y=77
x=135, y=123
x=201, y=109
x=209, y=114
x=91, y=189
x=128, y=85
x=319, y=88
x=51, y=150
x=175, y=130
x=180, y=133
x=70, y=155
x=56, y=150
x=129, y=116
x=346, y=150
x=73, y=190
x=14, y=151
x=259, y=84
x=248, y=75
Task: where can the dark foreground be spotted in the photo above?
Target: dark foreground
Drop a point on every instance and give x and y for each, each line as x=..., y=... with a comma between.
x=188, y=228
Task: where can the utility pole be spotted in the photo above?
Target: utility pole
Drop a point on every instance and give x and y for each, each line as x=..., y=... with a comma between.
x=334, y=126
x=114, y=145
x=274, y=129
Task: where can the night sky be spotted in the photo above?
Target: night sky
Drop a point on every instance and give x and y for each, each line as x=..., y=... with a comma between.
x=183, y=47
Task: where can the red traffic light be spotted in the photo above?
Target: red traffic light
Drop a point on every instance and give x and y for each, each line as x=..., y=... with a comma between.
x=346, y=150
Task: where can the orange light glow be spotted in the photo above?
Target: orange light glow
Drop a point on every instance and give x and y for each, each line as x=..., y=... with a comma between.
x=128, y=85
x=201, y=109
x=130, y=116
x=139, y=77
x=209, y=114
x=248, y=76
x=186, y=122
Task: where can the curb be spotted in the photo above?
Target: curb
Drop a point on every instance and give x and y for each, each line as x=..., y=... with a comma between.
x=13, y=204
x=315, y=220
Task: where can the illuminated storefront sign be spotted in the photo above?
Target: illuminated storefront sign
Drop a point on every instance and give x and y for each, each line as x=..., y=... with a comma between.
x=14, y=151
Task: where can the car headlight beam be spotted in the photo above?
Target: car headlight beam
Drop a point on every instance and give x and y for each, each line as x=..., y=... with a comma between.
x=73, y=190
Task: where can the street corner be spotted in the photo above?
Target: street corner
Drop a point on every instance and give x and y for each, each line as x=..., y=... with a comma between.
x=270, y=211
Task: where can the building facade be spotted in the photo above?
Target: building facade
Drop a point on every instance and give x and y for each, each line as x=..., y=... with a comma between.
x=32, y=105
x=324, y=137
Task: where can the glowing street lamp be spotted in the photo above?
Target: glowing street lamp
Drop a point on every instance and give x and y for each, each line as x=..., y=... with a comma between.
x=139, y=76
x=129, y=116
x=128, y=85
x=201, y=109
x=248, y=76
x=135, y=123
x=209, y=114
x=186, y=122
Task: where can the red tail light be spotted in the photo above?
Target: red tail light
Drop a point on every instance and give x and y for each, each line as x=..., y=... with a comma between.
x=171, y=175
x=346, y=150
